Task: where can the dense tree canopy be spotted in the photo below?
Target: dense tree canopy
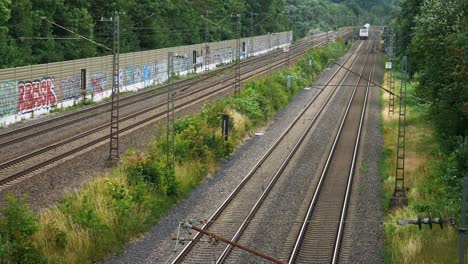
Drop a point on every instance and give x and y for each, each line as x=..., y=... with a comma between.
x=27, y=38
x=434, y=35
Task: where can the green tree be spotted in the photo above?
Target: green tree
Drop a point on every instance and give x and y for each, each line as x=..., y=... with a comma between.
x=74, y=16
x=148, y=24
x=105, y=9
x=7, y=50
x=45, y=48
x=404, y=26
x=440, y=48
x=21, y=29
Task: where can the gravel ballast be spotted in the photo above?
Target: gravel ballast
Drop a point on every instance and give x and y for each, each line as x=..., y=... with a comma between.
x=273, y=231
x=366, y=235
x=157, y=246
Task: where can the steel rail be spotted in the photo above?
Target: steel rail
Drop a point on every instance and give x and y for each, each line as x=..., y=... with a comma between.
x=249, y=175
x=104, y=126
x=301, y=235
x=277, y=174
x=134, y=98
x=351, y=172
x=94, y=142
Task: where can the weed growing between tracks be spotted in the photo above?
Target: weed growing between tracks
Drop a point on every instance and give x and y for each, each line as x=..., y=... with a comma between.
x=75, y=106
x=99, y=219
x=432, y=189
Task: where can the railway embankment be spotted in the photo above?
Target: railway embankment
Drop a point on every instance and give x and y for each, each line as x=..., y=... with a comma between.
x=431, y=188
x=103, y=215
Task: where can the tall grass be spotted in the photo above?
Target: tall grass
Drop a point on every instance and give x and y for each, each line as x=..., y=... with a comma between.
x=98, y=219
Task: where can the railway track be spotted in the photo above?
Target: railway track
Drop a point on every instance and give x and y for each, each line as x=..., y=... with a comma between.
x=17, y=168
x=19, y=134
x=233, y=217
x=322, y=230
x=82, y=117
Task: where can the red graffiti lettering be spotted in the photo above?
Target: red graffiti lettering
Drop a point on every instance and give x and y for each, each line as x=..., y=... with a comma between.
x=48, y=95
x=96, y=83
x=21, y=98
x=35, y=95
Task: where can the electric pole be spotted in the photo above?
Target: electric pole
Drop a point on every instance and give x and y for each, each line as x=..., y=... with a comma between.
x=207, y=39
x=391, y=82
x=289, y=37
x=237, y=84
x=114, y=129
x=399, y=198
x=269, y=48
x=114, y=125
x=252, y=32
x=170, y=133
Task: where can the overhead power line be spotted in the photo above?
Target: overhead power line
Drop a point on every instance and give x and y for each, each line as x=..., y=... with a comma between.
x=74, y=33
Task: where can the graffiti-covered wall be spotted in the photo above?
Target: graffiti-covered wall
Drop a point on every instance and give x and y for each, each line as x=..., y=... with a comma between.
x=35, y=95
x=33, y=90
x=8, y=97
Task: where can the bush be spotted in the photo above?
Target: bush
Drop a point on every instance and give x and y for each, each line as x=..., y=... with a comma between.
x=220, y=148
x=153, y=173
x=17, y=226
x=248, y=105
x=213, y=112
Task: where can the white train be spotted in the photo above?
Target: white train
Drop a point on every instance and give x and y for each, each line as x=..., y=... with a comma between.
x=364, y=31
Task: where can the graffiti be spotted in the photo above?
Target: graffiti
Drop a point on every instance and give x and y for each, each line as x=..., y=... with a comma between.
x=71, y=87
x=154, y=71
x=121, y=79
x=130, y=75
x=182, y=64
x=147, y=74
x=200, y=60
x=8, y=98
x=137, y=74
x=159, y=72
x=98, y=82
x=221, y=55
x=28, y=94
x=35, y=95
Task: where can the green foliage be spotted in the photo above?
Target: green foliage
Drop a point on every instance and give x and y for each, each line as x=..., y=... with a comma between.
x=73, y=107
x=17, y=225
x=249, y=105
x=212, y=113
x=143, y=169
x=87, y=217
x=457, y=162
x=433, y=34
x=144, y=25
